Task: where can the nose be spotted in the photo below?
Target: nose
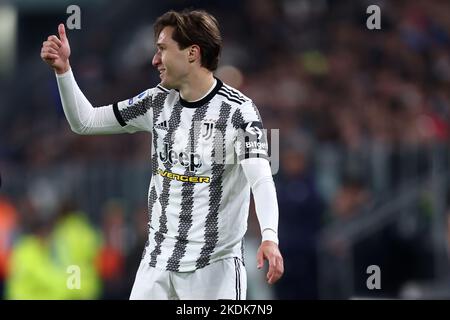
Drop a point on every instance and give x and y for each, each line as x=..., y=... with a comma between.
x=156, y=59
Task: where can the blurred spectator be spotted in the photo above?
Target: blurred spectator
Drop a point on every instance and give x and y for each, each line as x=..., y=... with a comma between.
x=75, y=242
x=111, y=259
x=33, y=272
x=374, y=103
x=301, y=218
x=349, y=200
x=8, y=226
x=138, y=242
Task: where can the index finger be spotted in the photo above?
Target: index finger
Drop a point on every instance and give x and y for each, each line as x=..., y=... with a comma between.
x=55, y=40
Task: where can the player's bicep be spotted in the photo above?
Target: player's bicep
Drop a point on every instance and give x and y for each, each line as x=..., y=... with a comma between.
x=100, y=120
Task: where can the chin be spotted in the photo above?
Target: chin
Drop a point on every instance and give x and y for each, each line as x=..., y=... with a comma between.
x=166, y=84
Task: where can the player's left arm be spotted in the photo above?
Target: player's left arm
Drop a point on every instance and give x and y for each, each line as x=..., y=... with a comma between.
x=258, y=173
x=252, y=150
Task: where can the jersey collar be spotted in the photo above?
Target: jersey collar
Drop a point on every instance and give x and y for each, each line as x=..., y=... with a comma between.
x=204, y=100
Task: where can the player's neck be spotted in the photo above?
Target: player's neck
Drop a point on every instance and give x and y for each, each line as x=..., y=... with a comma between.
x=197, y=86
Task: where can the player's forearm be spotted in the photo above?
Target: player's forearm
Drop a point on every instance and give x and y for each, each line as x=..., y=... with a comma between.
x=81, y=115
x=259, y=175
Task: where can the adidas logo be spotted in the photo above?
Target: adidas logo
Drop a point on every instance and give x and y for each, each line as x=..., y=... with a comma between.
x=162, y=125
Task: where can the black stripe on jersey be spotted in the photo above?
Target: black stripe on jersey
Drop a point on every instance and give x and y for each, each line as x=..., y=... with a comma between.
x=118, y=115
x=257, y=112
x=158, y=105
x=187, y=195
x=160, y=87
x=215, y=189
x=251, y=155
x=233, y=93
x=238, y=278
x=145, y=249
x=237, y=119
x=157, y=109
x=136, y=110
x=174, y=122
x=229, y=98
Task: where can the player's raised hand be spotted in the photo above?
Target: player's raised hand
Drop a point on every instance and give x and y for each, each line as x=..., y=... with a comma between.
x=269, y=251
x=56, y=51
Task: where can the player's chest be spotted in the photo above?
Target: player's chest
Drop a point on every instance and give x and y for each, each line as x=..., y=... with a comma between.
x=193, y=128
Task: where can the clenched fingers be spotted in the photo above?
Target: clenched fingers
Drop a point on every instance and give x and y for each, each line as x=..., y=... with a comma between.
x=50, y=44
x=48, y=56
x=55, y=39
x=49, y=50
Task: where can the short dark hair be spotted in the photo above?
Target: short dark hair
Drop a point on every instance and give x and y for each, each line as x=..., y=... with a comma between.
x=194, y=27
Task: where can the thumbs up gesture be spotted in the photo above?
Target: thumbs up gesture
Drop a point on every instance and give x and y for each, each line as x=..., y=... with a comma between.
x=56, y=51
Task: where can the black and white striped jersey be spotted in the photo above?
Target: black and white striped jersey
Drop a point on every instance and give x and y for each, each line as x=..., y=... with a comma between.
x=198, y=197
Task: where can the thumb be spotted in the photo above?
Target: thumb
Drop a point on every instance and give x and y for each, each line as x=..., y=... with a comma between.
x=62, y=32
x=259, y=259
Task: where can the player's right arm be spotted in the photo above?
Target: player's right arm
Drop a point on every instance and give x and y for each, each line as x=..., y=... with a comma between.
x=82, y=116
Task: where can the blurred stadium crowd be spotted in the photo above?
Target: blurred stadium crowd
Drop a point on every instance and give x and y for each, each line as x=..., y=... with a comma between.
x=363, y=118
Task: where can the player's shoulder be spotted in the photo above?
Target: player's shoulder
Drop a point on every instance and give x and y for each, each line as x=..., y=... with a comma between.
x=171, y=96
x=233, y=96
x=147, y=94
x=159, y=90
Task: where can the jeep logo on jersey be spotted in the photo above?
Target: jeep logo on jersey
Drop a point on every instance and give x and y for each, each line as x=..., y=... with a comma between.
x=192, y=161
x=254, y=128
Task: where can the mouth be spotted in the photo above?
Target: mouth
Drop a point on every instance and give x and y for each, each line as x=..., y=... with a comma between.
x=161, y=72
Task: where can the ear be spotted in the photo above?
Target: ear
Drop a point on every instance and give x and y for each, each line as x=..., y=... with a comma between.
x=194, y=53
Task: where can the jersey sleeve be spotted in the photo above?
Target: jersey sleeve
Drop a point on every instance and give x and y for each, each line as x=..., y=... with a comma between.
x=258, y=174
x=136, y=114
x=251, y=139
x=130, y=115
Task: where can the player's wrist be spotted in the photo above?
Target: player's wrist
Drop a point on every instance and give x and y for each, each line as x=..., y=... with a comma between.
x=269, y=235
x=63, y=69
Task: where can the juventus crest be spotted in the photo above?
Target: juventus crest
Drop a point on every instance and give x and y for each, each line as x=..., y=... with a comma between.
x=207, y=129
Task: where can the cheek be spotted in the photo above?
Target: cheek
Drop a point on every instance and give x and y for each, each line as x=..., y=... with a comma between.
x=182, y=67
x=168, y=61
x=163, y=58
x=175, y=63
